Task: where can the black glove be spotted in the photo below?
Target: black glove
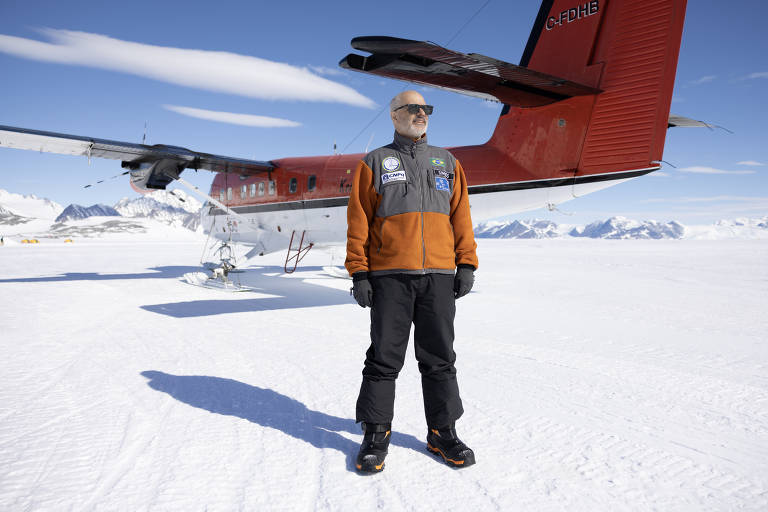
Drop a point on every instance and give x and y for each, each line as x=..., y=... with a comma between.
x=465, y=278
x=361, y=289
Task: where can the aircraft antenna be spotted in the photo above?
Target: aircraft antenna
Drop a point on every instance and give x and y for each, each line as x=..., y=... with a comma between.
x=105, y=179
x=144, y=138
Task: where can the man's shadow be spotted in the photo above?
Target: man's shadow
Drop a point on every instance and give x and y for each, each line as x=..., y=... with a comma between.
x=269, y=409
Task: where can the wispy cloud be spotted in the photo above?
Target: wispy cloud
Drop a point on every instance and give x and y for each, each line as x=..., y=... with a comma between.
x=703, y=80
x=232, y=118
x=752, y=76
x=660, y=174
x=750, y=162
x=700, y=169
x=324, y=70
x=217, y=71
x=709, y=199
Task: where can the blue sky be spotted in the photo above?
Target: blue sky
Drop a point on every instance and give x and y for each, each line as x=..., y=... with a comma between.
x=722, y=78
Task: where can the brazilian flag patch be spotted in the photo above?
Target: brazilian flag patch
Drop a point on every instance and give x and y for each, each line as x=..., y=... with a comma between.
x=438, y=161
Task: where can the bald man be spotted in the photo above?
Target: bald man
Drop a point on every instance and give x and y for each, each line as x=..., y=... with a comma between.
x=411, y=253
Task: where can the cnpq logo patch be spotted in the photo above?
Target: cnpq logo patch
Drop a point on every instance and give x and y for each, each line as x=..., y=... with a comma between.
x=389, y=177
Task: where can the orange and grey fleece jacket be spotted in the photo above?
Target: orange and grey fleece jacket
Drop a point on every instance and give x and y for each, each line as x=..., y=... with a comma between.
x=409, y=212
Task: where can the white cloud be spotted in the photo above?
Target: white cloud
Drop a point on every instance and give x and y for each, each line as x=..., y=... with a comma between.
x=700, y=169
x=750, y=162
x=324, y=70
x=660, y=174
x=710, y=199
x=703, y=80
x=232, y=118
x=762, y=74
x=217, y=71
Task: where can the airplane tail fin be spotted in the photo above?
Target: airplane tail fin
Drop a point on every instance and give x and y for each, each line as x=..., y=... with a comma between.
x=628, y=50
x=591, y=94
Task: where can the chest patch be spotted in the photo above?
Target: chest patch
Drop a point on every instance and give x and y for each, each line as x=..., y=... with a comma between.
x=441, y=183
x=438, y=162
x=391, y=163
x=442, y=173
x=389, y=177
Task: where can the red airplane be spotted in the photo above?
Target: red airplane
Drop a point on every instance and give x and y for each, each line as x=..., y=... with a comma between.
x=586, y=108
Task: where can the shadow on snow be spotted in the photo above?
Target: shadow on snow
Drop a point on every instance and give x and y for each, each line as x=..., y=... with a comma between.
x=166, y=272
x=269, y=409
x=284, y=292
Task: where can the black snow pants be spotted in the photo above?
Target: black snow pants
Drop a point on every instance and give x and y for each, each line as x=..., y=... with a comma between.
x=426, y=301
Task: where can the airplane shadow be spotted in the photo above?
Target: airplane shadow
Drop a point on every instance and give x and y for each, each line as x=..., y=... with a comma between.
x=163, y=272
x=270, y=409
x=283, y=293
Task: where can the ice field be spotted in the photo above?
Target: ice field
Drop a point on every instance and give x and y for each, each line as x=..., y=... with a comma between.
x=595, y=374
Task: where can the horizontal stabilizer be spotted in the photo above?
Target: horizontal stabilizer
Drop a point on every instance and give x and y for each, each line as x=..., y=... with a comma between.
x=473, y=74
x=686, y=122
x=49, y=142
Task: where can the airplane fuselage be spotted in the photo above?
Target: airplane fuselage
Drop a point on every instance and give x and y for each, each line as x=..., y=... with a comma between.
x=515, y=171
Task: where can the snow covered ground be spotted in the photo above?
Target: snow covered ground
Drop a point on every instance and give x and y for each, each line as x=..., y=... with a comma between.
x=596, y=375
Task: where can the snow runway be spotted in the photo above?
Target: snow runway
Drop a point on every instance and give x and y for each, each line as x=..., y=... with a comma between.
x=616, y=375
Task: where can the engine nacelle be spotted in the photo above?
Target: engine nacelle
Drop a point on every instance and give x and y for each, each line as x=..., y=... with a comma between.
x=155, y=175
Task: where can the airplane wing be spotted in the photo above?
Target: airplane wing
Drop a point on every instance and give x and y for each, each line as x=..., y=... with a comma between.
x=132, y=155
x=471, y=74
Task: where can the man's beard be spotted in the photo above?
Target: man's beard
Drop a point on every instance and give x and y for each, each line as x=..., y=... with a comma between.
x=416, y=131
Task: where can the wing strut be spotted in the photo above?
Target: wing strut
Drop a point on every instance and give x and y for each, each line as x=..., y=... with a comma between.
x=301, y=251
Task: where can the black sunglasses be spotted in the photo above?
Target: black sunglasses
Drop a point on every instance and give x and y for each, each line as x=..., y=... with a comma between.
x=414, y=108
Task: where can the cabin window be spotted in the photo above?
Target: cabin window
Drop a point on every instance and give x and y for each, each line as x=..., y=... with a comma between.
x=293, y=185
x=272, y=188
x=253, y=190
x=229, y=193
x=261, y=188
x=311, y=183
x=221, y=195
x=243, y=191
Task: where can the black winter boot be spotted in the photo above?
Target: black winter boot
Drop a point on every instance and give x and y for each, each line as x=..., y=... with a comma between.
x=370, y=459
x=444, y=442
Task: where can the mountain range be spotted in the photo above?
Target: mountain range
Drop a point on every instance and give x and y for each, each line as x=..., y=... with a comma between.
x=77, y=212
x=176, y=209
x=621, y=228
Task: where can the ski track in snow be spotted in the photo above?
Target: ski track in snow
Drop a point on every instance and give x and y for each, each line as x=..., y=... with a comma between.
x=596, y=375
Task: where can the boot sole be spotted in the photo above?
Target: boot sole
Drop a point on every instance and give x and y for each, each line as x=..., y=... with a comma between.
x=370, y=467
x=451, y=462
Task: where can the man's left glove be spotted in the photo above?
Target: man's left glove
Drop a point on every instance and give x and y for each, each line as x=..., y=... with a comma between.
x=465, y=278
x=361, y=289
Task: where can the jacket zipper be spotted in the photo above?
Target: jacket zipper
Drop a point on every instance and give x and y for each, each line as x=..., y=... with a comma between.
x=421, y=209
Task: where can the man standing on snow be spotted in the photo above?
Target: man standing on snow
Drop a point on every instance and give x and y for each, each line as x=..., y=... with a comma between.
x=411, y=254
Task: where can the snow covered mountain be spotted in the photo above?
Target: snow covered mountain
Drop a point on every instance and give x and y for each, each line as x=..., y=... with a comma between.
x=77, y=212
x=173, y=208
x=620, y=228
x=8, y=218
x=742, y=222
x=29, y=206
x=623, y=228
x=518, y=229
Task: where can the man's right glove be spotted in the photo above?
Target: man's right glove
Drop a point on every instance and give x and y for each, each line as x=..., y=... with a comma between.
x=465, y=278
x=361, y=289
